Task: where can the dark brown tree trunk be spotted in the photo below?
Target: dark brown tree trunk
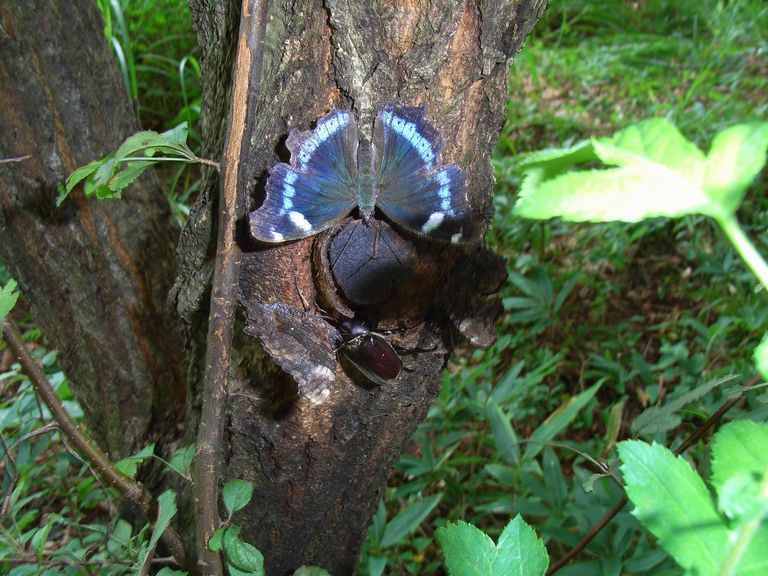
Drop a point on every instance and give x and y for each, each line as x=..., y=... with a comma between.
x=319, y=469
x=96, y=273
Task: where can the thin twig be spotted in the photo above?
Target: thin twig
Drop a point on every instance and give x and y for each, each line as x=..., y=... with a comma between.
x=11, y=160
x=247, y=72
x=12, y=476
x=134, y=491
x=616, y=508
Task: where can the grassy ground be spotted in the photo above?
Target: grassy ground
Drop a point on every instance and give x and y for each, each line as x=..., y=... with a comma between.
x=619, y=317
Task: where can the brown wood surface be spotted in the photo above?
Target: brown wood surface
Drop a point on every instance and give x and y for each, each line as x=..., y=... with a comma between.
x=95, y=273
x=320, y=469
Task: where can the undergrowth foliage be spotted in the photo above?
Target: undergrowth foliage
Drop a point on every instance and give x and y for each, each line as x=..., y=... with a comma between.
x=618, y=339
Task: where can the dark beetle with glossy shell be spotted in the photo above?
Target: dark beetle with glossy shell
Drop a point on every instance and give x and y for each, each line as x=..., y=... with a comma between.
x=369, y=352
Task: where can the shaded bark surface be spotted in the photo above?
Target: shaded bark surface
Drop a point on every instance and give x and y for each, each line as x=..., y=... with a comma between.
x=96, y=273
x=319, y=469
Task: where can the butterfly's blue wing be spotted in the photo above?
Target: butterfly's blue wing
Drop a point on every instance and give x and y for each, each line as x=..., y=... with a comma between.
x=317, y=189
x=413, y=189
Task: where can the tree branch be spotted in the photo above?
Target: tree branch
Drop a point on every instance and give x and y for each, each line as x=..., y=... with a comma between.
x=616, y=508
x=253, y=21
x=131, y=489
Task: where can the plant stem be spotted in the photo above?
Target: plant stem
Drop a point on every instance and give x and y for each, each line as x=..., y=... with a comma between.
x=616, y=508
x=745, y=248
x=210, y=433
x=133, y=490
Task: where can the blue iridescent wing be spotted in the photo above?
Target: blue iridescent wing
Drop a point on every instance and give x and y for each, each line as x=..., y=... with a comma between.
x=317, y=189
x=414, y=190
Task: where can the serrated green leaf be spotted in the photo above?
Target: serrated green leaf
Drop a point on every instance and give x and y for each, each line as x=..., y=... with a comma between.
x=655, y=141
x=119, y=538
x=240, y=554
x=760, y=357
x=236, y=495
x=503, y=434
x=81, y=174
x=663, y=418
x=740, y=497
x=408, y=520
x=520, y=551
x=673, y=503
x=216, y=541
x=558, y=420
x=737, y=155
x=168, y=571
x=138, y=142
x=125, y=176
x=128, y=466
x=754, y=560
x=739, y=461
x=659, y=173
x=235, y=571
x=166, y=510
x=311, y=571
x=182, y=459
x=623, y=194
x=468, y=550
x=8, y=298
x=178, y=134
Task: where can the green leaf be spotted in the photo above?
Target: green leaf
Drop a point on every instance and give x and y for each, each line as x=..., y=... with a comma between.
x=655, y=141
x=625, y=194
x=119, y=539
x=128, y=466
x=739, y=462
x=468, y=550
x=8, y=298
x=659, y=173
x=240, y=554
x=739, y=448
x=503, y=434
x=663, y=418
x=39, y=539
x=236, y=494
x=124, y=177
x=408, y=520
x=376, y=565
x=166, y=510
x=736, y=157
x=760, y=356
x=559, y=420
x=79, y=175
x=177, y=134
x=167, y=571
x=673, y=503
x=182, y=459
x=311, y=571
x=520, y=551
x=216, y=541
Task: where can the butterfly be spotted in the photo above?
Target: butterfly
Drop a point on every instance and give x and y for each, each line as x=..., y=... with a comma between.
x=333, y=171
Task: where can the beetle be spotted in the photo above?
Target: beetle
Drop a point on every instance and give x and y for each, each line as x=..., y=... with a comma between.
x=369, y=352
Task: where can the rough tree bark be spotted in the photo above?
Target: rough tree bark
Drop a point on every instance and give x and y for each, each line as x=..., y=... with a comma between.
x=96, y=274
x=319, y=469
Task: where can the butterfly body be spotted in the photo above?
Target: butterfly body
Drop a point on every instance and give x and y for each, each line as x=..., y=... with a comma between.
x=333, y=171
